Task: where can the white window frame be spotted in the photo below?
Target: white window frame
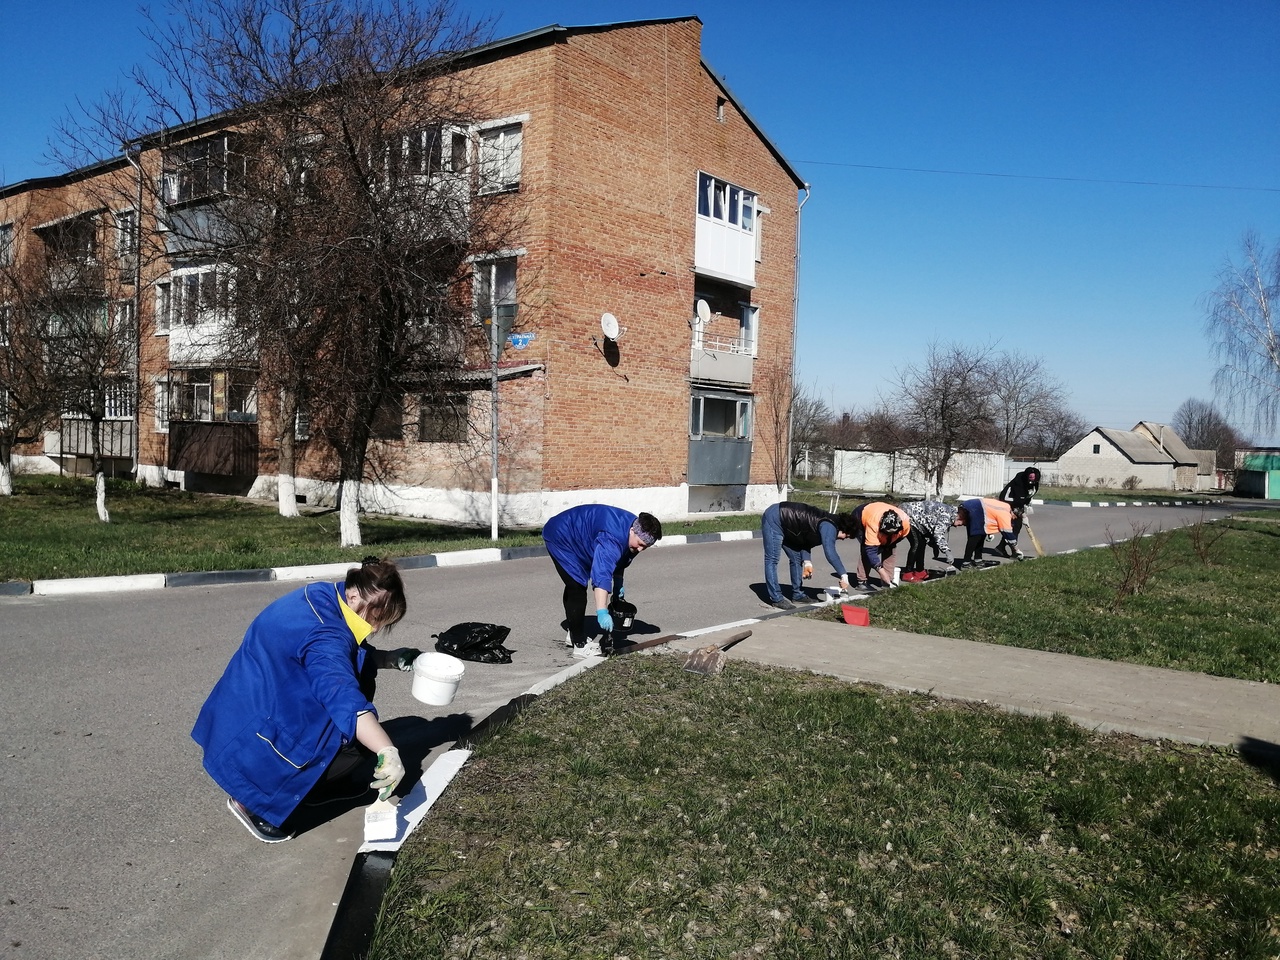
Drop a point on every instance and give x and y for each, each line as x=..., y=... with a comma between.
x=742, y=415
x=164, y=307
x=499, y=305
x=7, y=235
x=162, y=405
x=127, y=241
x=728, y=204
x=202, y=282
x=500, y=154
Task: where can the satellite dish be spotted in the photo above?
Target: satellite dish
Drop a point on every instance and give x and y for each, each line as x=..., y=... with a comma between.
x=609, y=324
x=704, y=311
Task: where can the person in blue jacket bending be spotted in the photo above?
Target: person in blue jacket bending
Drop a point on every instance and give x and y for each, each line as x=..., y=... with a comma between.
x=293, y=710
x=595, y=543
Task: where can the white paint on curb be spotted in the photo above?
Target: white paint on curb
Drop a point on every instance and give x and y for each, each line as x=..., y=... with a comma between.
x=717, y=629
x=419, y=800
x=140, y=581
x=314, y=571
x=465, y=558
x=675, y=540
x=738, y=535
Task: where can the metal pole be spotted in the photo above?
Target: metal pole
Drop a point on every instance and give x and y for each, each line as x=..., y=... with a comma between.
x=493, y=425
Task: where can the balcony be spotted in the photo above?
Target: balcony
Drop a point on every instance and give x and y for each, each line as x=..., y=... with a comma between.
x=75, y=276
x=727, y=361
x=222, y=449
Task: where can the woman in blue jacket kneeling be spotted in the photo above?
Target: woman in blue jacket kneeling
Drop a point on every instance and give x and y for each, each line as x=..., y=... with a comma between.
x=294, y=709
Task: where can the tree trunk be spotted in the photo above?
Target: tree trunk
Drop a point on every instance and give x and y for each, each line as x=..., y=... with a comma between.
x=99, y=474
x=100, y=495
x=6, y=477
x=286, y=487
x=349, y=513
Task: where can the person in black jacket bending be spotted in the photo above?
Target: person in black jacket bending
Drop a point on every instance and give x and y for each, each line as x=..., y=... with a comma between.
x=797, y=528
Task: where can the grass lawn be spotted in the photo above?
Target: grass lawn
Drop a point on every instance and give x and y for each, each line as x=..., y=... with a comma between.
x=1217, y=618
x=645, y=812
x=51, y=531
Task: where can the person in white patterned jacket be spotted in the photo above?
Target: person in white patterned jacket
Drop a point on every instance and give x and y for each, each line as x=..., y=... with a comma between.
x=930, y=522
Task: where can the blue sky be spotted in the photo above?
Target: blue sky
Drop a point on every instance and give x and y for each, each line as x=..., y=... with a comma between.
x=1063, y=179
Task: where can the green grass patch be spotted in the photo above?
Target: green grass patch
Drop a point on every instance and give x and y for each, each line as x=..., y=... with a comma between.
x=1216, y=618
x=51, y=530
x=645, y=812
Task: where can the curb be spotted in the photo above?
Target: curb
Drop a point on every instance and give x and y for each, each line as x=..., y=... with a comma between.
x=315, y=571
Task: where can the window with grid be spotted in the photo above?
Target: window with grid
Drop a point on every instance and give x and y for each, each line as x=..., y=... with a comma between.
x=442, y=419
x=501, y=148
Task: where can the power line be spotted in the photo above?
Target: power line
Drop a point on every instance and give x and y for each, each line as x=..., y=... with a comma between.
x=1023, y=176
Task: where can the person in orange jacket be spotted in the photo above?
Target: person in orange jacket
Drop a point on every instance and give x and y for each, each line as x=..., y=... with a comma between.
x=982, y=516
x=879, y=528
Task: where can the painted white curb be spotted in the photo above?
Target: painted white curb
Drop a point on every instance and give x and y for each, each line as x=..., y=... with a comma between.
x=315, y=571
x=463, y=558
x=141, y=581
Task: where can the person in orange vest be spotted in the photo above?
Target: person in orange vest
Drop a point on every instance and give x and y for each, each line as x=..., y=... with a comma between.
x=879, y=528
x=982, y=516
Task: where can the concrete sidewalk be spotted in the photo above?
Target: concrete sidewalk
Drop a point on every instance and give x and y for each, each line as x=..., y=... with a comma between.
x=1097, y=694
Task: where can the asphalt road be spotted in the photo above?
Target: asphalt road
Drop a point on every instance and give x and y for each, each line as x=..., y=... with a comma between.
x=115, y=844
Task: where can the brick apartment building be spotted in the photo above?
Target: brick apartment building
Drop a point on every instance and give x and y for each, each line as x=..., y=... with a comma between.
x=648, y=194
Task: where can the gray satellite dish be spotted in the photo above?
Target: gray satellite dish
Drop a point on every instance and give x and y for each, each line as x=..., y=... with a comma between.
x=704, y=311
x=609, y=324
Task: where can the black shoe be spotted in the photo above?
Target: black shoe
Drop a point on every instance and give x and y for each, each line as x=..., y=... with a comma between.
x=256, y=825
x=782, y=603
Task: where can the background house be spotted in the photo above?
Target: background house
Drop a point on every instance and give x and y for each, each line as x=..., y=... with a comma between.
x=1258, y=472
x=1151, y=456
x=644, y=191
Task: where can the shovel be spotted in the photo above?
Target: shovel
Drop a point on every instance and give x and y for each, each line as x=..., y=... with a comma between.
x=709, y=660
x=645, y=644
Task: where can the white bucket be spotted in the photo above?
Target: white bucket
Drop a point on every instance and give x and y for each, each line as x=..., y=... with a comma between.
x=436, y=677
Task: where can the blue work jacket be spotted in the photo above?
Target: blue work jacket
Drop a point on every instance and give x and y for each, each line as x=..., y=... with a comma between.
x=591, y=542
x=286, y=703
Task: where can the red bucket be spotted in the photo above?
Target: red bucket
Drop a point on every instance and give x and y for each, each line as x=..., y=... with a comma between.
x=856, y=616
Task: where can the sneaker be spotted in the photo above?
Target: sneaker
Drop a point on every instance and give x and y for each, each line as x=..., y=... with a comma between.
x=256, y=825
x=568, y=639
x=589, y=649
x=782, y=603
x=801, y=598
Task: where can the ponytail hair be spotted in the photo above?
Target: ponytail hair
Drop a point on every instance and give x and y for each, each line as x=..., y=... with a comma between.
x=378, y=581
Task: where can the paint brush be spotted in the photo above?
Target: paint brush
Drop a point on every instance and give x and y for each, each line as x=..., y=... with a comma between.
x=380, y=821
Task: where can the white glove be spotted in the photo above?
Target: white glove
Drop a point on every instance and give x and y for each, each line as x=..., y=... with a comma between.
x=844, y=584
x=388, y=773
x=1027, y=511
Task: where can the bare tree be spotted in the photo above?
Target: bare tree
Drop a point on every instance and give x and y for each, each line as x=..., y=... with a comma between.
x=88, y=342
x=1202, y=427
x=28, y=393
x=1023, y=397
x=945, y=406
x=773, y=418
x=1056, y=433
x=1244, y=331
x=343, y=199
x=810, y=424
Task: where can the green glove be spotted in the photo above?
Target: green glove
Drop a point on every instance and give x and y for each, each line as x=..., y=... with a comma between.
x=388, y=773
x=402, y=658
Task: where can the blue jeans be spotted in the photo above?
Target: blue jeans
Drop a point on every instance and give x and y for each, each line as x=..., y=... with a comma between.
x=771, y=530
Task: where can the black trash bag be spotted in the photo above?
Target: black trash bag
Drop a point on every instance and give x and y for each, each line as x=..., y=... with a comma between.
x=478, y=642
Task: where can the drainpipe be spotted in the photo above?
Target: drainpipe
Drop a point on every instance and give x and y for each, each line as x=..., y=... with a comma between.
x=137, y=317
x=795, y=333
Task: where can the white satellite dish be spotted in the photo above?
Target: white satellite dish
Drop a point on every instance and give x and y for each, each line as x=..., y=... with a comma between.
x=609, y=324
x=704, y=311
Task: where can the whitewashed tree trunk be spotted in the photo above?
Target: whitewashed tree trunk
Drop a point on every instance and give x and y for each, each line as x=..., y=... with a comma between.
x=349, y=513
x=287, y=495
x=100, y=489
x=6, y=479
x=286, y=485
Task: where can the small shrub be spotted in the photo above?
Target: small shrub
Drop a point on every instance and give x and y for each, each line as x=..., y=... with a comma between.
x=1131, y=482
x=1139, y=558
x=1204, y=539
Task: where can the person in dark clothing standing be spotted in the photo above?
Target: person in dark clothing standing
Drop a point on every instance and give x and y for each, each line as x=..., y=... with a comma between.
x=1018, y=493
x=796, y=528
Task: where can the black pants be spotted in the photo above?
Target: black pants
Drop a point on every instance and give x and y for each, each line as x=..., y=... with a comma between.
x=973, y=546
x=352, y=754
x=916, y=542
x=574, y=599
